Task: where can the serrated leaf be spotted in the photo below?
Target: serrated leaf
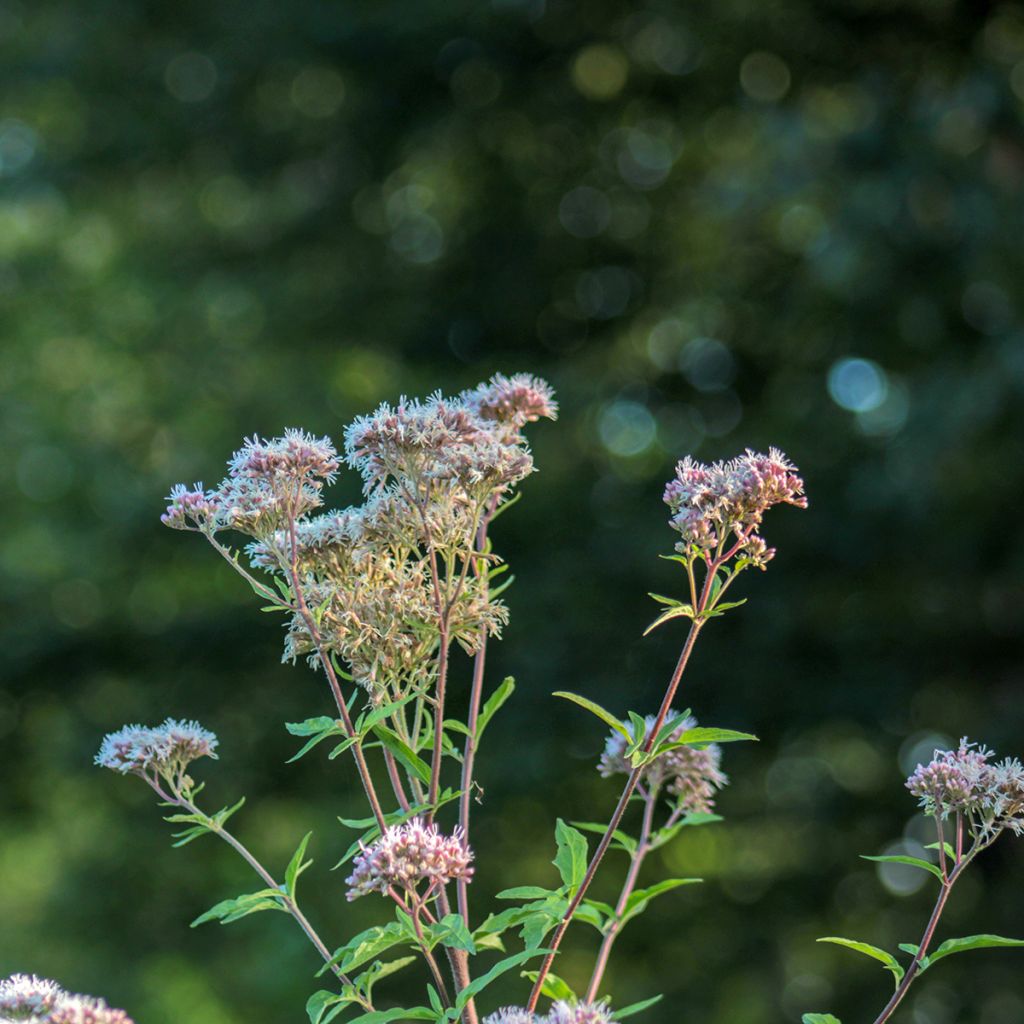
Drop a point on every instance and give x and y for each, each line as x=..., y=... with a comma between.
x=886, y=959
x=311, y=726
x=968, y=942
x=628, y=1011
x=595, y=709
x=296, y=866
x=493, y=704
x=553, y=987
x=367, y=946
x=451, y=931
x=819, y=1018
x=721, y=609
x=241, y=906
x=571, y=858
x=913, y=862
x=670, y=602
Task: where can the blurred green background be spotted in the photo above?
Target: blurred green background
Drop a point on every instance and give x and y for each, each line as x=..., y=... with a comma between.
x=710, y=226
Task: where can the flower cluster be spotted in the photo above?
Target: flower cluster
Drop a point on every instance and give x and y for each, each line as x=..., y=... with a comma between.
x=163, y=751
x=562, y=1012
x=408, y=854
x=693, y=774
x=268, y=484
x=439, y=439
x=38, y=1001
x=513, y=401
x=966, y=781
x=710, y=502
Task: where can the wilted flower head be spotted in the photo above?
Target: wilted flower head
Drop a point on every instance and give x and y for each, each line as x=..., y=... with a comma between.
x=514, y=401
x=966, y=781
x=513, y=1015
x=406, y=855
x=709, y=502
x=36, y=1000
x=691, y=773
x=564, y=1012
x=165, y=750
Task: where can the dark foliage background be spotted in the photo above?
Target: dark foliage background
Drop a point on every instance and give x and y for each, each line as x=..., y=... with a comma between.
x=711, y=226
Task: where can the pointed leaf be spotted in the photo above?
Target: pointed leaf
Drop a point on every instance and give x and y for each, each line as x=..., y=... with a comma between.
x=553, y=988
x=628, y=1011
x=701, y=734
x=296, y=866
x=493, y=704
x=476, y=986
x=571, y=858
x=820, y=1018
x=951, y=946
x=886, y=959
x=595, y=709
x=680, y=611
x=914, y=862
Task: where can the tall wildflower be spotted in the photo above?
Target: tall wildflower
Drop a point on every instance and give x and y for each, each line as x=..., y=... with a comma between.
x=159, y=752
x=39, y=1001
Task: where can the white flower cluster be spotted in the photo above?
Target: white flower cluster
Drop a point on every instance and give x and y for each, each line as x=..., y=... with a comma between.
x=25, y=997
x=165, y=750
x=562, y=1012
x=408, y=854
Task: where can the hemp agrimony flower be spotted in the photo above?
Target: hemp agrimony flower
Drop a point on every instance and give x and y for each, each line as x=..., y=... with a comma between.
x=163, y=751
x=38, y=1001
x=407, y=855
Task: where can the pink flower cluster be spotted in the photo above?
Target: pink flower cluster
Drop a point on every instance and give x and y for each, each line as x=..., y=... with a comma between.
x=562, y=1012
x=966, y=781
x=408, y=854
x=709, y=502
x=692, y=774
x=166, y=749
x=35, y=1000
x=515, y=401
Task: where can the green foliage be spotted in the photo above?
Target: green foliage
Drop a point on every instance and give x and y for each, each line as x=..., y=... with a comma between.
x=886, y=959
x=235, y=909
x=595, y=709
x=820, y=1018
x=914, y=862
x=571, y=858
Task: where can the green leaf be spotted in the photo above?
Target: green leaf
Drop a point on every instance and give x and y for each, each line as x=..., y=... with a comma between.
x=721, y=609
x=296, y=866
x=554, y=987
x=670, y=602
x=886, y=959
x=628, y=1011
x=367, y=721
x=403, y=752
x=820, y=1018
x=951, y=946
x=493, y=704
x=526, y=892
x=639, y=900
x=451, y=931
x=670, y=727
x=367, y=946
x=318, y=1003
x=950, y=852
x=626, y=843
x=677, y=612
x=595, y=709
x=638, y=733
x=318, y=728
x=477, y=986
x=395, y=1013
x=914, y=862
x=242, y=906
x=571, y=858
x=700, y=734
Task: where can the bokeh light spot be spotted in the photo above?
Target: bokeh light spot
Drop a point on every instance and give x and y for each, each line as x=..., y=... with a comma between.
x=317, y=92
x=600, y=71
x=584, y=212
x=858, y=385
x=191, y=77
x=764, y=77
x=626, y=428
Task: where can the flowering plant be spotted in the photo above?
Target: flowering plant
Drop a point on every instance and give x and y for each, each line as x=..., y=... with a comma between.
x=378, y=600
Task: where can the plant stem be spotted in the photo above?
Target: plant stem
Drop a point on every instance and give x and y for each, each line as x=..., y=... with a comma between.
x=435, y=970
x=642, y=849
x=289, y=903
x=929, y=932
x=620, y=809
x=332, y=679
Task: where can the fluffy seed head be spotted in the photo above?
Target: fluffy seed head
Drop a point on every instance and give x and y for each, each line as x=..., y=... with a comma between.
x=408, y=854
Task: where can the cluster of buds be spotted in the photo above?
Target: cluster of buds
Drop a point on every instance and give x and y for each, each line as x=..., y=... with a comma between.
x=160, y=752
x=268, y=483
x=967, y=782
x=408, y=854
x=692, y=774
x=35, y=1000
x=710, y=503
x=561, y=1012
